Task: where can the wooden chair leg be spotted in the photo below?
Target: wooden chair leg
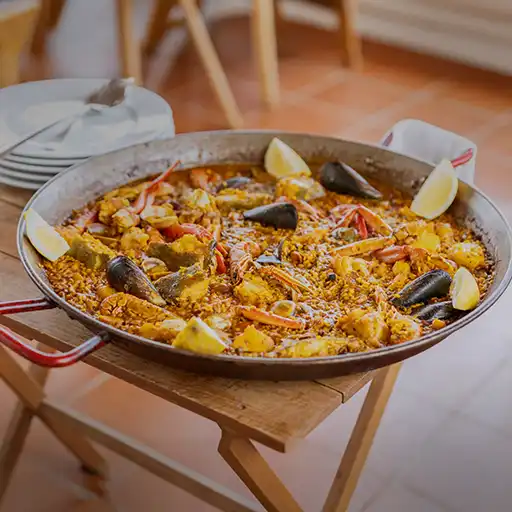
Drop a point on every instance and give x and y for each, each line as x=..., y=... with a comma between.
x=129, y=47
x=157, y=25
x=38, y=44
x=56, y=8
x=352, y=53
x=354, y=458
x=31, y=394
x=211, y=62
x=257, y=475
x=265, y=47
x=18, y=428
x=16, y=28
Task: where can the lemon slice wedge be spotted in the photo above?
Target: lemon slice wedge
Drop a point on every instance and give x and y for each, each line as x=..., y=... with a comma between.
x=464, y=290
x=281, y=161
x=437, y=193
x=43, y=237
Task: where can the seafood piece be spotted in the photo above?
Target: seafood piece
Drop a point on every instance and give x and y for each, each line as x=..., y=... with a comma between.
x=268, y=259
x=402, y=328
x=184, y=252
x=278, y=215
x=185, y=286
x=284, y=308
x=164, y=331
x=85, y=219
x=467, y=254
x=159, y=217
x=301, y=188
x=236, y=182
x=435, y=283
x=341, y=178
x=299, y=284
x=314, y=347
x=363, y=218
x=345, y=265
x=428, y=241
x=130, y=309
x=445, y=232
x=363, y=247
x=125, y=276
x=205, y=179
x=241, y=256
x=198, y=337
x=437, y=310
x=124, y=219
x=201, y=200
x=97, y=228
x=134, y=239
x=241, y=200
x=255, y=291
x=302, y=206
x=369, y=325
x=374, y=221
x=154, y=267
x=107, y=208
x=90, y=251
x=219, y=322
x=252, y=340
x=347, y=235
x=265, y=317
x=423, y=260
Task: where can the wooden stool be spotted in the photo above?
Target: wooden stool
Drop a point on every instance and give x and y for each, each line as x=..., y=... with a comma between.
x=17, y=20
x=264, y=44
x=129, y=50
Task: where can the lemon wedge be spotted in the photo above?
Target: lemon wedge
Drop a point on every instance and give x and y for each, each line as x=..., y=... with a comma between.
x=43, y=237
x=437, y=193
x=281, y=161
x=464, y=290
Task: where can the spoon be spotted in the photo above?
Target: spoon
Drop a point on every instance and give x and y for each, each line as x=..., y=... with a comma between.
x=109, y=95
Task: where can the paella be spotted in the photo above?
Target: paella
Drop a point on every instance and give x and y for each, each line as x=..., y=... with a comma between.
x=287, y=259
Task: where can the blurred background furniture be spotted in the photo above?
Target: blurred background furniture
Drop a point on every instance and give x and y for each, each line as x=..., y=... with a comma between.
x=17, y=21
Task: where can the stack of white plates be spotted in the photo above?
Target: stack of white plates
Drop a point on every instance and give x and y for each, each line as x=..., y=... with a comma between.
x=143, y=116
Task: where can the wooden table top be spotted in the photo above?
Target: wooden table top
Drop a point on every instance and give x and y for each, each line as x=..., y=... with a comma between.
x=274, y=414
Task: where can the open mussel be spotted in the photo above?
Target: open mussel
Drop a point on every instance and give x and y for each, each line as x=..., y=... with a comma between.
x=188, y=284
x=125, y=276
x=234, y=182
x=278, y=215
x=436, y=311
x=435, y=283
x=341, y=178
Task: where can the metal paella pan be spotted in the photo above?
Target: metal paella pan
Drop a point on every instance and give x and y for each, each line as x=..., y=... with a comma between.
x=93, y=178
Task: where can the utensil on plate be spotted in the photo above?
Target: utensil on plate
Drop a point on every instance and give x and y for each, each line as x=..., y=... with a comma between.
x=109, y=95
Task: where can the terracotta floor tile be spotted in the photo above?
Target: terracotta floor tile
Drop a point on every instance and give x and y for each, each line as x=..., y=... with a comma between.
x=364, y=94
x=306, y=117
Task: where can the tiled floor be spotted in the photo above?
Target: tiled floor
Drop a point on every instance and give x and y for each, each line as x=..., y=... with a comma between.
x=445, y=444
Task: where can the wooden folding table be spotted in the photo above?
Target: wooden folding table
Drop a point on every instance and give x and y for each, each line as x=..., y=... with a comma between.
x=277, y=415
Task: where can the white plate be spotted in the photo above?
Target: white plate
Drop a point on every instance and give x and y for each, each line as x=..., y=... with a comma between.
x=140, y=118
x=42, y=162
x=32, y=169
x=23, y=175
x=19, y=183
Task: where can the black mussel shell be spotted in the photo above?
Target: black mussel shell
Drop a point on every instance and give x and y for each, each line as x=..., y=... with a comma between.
x=341, y=178
x=435, y=283
x=172, y=285
x=125, y=276
x=438, y=310
x=278, y=215
x=269, y=259
x=235, y=182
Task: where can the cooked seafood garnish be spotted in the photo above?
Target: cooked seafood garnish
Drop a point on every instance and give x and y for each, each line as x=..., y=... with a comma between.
x=235, y=182
x=363, y=247
x=265, y=317
x=241, y=257
x=183, y=252
x=299, y=284
x=187, y=285
x=125, y=276
x=252, y=340
x=278, y=215
x=437, y=310
x=300, y=188
x=341, y=178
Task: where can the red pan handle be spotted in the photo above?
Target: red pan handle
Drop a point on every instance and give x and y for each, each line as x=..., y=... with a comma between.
x=55, y=360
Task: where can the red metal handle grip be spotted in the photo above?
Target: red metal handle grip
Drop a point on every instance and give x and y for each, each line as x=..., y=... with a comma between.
x=56, y=360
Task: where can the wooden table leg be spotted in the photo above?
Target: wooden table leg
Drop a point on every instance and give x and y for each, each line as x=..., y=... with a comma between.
x=157, y=24
x=18, y=428
x=361, y=439
x=32, y=395
x=265, y=48
x=352, y=53
x=257, y=475
x=129, y=47
x=211, y=62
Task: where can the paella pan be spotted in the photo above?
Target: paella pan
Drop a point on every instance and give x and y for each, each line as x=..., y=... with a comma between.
x=266, y=255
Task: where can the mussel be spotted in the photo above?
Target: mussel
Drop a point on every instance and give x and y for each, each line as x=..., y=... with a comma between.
x=234, y=182
x=435, y=311
x=341, y=178
x=184, y=252
x=269, y=259
x=435, y=283
x=278, y=215
x=190, y=284
x=125, y=276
